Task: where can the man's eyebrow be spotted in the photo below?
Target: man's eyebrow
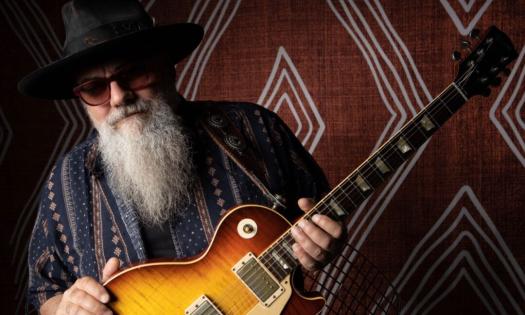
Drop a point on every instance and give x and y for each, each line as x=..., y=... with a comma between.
x=124, y=65
x=86, y=79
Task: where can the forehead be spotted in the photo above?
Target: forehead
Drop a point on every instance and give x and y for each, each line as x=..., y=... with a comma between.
x=106, y=68
x=102, y=69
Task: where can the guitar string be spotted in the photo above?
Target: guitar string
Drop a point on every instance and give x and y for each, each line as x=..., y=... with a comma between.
x=340, y=189
x=368, y=169
x=428, y=110
x=408, y=130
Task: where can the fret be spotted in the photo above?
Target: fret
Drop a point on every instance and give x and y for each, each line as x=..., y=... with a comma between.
x=342, y=199
x=275, y=267
x=372, y=175
x=329, y=210
x=451, y=99
x=288, y=249
x=440, y=115
x=277, y=256
x=286, y=245
x=390, y=154
x=445, y=105
x=340, y=194
x=353, y=193
x=418, y=136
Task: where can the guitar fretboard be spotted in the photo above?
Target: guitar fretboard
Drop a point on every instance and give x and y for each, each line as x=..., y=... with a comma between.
x=362, y=182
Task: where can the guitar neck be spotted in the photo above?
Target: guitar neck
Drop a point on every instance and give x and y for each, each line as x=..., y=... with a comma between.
x=362, y=182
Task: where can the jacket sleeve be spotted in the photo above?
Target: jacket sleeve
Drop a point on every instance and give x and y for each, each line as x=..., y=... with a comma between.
x=48, y=247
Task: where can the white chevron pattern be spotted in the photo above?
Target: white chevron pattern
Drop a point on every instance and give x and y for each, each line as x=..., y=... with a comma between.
x=483, y=256
x=217, y=22
x=350, y=15
x=507, y=116
x=32, y=27
x=301, y=103
x=464, y=30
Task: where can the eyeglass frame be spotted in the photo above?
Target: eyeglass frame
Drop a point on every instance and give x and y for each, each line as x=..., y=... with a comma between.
x=117, y=77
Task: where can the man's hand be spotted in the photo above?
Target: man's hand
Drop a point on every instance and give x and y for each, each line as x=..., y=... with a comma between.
x=317, y=240
x=85, y=297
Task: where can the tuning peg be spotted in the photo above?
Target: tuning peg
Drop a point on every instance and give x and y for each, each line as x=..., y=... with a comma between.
x=456, y=55
x=474, y=33
x=494, y=69
x=465, y=44
x=503, y=60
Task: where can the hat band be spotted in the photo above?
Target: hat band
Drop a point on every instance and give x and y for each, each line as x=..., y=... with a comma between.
x=106, y=32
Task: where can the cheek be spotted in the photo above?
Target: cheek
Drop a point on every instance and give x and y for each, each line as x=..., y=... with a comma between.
x=98, y=114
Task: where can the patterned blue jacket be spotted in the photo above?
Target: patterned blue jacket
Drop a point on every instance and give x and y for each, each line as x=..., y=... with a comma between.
x=81, y=223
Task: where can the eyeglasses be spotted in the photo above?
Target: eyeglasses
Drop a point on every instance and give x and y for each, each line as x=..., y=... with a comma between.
x=134, y=77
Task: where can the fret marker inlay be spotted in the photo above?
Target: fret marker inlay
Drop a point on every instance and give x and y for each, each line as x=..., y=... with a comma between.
x=337, y=208
x=381, y=166
x=427, y=124
x=362, y=184
x=403, y=146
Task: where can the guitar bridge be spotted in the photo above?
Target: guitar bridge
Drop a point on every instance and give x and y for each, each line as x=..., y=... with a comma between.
x=202, y=306
x=258, y=279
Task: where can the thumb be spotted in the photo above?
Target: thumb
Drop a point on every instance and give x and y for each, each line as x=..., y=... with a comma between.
x=306, y=204
x=112, y=266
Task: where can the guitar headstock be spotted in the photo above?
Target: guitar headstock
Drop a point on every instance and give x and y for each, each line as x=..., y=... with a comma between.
x=481, y=68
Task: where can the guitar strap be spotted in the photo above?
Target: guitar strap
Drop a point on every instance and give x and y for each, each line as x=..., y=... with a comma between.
x=229, y=138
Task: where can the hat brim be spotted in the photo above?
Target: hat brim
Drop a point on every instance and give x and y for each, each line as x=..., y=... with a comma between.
x=57, y=79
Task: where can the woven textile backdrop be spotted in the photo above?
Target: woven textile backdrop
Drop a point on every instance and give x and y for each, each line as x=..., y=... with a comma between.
x=345, y=75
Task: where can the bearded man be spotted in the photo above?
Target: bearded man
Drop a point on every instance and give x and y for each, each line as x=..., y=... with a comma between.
x=158, y=172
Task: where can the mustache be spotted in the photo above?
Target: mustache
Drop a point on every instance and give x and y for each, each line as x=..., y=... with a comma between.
x=122, y=112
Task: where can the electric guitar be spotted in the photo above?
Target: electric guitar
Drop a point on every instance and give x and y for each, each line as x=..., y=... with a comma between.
x=249, y=267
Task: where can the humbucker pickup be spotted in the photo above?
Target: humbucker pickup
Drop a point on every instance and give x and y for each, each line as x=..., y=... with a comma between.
x=203, y=306
x=258, y=279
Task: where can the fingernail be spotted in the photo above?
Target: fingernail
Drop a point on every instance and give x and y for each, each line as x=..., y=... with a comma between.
x=104, y=298
x=295, y=230
x=316, y=218
x=301, y=223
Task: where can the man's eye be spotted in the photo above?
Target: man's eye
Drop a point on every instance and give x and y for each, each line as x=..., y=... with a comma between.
x=93, y=87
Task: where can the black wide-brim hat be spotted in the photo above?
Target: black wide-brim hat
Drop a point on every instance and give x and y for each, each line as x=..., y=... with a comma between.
x=98, y=31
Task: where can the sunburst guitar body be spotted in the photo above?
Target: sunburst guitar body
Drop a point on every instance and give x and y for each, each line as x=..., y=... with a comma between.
x=230, y=277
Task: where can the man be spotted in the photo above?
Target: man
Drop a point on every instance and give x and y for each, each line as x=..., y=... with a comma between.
x=157, y=174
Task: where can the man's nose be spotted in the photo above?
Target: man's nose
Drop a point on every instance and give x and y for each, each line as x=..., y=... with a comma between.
x=118, y=95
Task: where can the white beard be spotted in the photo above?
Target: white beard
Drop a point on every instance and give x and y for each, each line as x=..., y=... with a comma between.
x=147, y=159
